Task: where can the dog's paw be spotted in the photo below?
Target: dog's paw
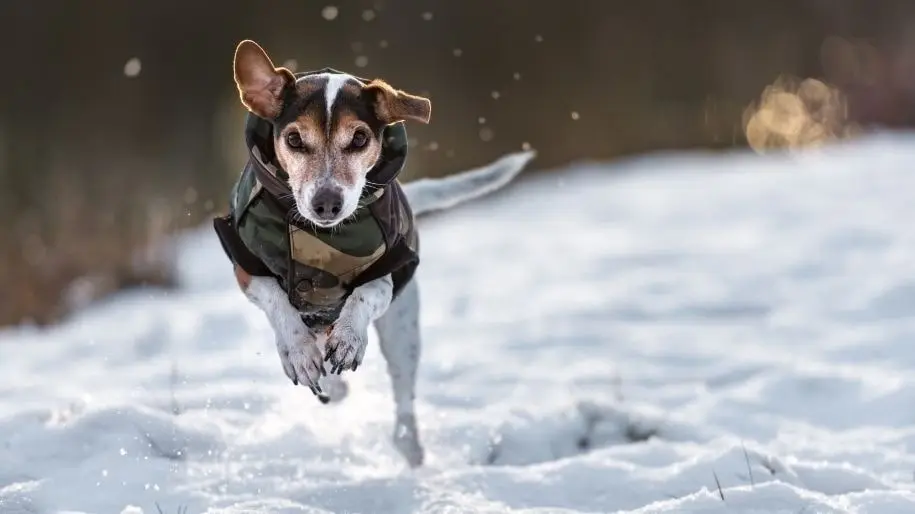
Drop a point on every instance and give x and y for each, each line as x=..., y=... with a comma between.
x=303, y=363
x=345, y=347
x=406, y=440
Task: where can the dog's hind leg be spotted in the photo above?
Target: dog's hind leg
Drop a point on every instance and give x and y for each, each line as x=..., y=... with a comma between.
x=400, y=343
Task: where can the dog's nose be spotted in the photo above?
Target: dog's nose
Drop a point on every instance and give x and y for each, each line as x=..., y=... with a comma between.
x=327, y=203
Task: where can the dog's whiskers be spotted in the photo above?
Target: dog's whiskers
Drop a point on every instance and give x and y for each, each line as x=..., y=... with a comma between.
x=351, y=217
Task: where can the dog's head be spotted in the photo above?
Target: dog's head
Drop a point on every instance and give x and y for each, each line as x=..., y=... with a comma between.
x=327, y=129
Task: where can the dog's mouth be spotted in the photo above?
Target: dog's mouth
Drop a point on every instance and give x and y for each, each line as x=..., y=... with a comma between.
x=325, y=224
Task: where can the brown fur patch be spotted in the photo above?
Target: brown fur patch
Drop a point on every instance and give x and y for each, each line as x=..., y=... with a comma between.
x=347, y=166
x=392, y=105
x=303, y=165
x=260, y=84
x=243, y=278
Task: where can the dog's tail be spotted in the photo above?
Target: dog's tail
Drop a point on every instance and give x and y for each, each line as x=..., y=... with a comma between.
x=433, y=194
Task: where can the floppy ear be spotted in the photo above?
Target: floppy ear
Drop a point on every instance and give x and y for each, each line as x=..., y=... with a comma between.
x=392, y=105
x=260, y=84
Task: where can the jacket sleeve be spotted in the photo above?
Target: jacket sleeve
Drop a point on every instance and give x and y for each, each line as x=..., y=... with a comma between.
x=235, y=248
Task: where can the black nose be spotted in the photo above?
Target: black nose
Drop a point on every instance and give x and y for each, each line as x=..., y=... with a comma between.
x=327, y=203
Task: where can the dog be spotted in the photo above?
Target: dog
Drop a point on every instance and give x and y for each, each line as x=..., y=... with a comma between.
x=326, y=148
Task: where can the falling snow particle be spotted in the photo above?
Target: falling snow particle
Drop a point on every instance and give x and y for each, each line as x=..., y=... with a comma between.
x=457, y=52
x=427, y=16
x=495, y=95
x=362, y=61
x=517, y=76
x=330, y=12
x=481, y=120
x=368, y=15
x=190, y=195
x=104, y=472
x=132, y=67
x=525, y=146
x=575, y=115
x=486, y=134
x=433, y=146
x=538, y=38
x=123, y=452
x=291, y=65
x=383, y=43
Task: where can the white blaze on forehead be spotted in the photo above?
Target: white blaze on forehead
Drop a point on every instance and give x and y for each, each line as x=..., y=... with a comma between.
x=332, y=89
x=335, y=82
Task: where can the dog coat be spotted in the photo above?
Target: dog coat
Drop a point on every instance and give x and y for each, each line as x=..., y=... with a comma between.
x=318, y=268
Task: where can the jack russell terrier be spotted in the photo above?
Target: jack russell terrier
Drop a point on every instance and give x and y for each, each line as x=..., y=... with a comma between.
x=321, y=233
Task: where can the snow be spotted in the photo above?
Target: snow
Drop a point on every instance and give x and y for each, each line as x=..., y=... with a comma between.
x=612, y=338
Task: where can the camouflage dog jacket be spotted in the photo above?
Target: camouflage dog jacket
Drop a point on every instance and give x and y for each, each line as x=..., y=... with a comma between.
x=319, y=268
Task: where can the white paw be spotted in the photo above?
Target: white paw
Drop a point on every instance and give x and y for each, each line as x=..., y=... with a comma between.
x=345, y=347
x=302, y=360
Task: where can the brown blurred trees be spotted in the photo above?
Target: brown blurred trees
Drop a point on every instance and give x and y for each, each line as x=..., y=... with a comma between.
x=95, y=164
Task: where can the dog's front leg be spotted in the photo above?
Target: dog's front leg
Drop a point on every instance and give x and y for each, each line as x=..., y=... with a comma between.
x=348, y=336
x=295, y=342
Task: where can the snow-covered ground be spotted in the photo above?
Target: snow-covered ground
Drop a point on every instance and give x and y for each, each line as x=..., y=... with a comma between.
x=608, y=339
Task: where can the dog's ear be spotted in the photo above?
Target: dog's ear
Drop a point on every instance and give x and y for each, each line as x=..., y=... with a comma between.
x=260, y=84
x=392, y=105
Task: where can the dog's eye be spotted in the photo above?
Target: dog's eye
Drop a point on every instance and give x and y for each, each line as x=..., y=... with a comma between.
x=294, y=140
x=360, y=139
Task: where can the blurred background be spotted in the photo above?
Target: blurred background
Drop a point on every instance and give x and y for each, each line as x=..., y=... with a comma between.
x=120, y=123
